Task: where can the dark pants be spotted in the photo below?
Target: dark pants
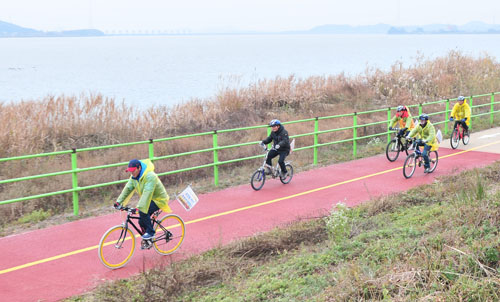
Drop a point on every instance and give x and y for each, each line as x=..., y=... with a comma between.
x=145, y=219
x=464, y=125
x=272, y=154
x=425, y=154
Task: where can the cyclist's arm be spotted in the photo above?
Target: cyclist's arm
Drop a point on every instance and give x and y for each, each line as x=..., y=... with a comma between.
x=454, y=111
x=285, y=141
x=413, y=132
x=432, y=134
x=147, y=193
x=467, y=112
x=126, y=193
x=267, y=140
x=393, y=121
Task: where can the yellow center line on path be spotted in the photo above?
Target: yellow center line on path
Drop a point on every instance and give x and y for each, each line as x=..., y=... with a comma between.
x=15, y=268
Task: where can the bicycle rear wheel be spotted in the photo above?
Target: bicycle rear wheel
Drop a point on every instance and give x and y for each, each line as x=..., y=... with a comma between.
x=289, y=177
x=409, y=165
x=454, y=139
x=433, y=160
x=392, y=150
x=169, y=234
x=258, y=179
x=466, y=137
x=116, y=247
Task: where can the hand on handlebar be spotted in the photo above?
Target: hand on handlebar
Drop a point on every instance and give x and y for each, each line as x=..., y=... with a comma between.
x=390, y=128
x=451, y=119
x=117, y=206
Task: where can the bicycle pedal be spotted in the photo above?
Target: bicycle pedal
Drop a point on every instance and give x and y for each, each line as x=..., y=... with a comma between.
x=146, y=244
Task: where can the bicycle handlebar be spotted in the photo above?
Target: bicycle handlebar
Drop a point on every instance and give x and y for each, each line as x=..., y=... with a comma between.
x=130, y=210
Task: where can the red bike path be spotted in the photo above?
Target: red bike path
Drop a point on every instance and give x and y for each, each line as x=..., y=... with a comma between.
x=61, y=261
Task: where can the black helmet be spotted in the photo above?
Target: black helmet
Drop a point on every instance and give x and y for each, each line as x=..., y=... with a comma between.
x=401, y=108
x=274, y=123
x=461, y=98
x=423, y=116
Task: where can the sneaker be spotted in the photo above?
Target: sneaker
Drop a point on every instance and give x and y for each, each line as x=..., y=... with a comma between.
x=283, y=175
x=427, y=170
x=148, y=236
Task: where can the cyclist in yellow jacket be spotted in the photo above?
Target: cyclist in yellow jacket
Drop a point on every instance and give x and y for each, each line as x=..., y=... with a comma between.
x=427, y=139
x=461, y=114
x=404, y=118
x=146, y=183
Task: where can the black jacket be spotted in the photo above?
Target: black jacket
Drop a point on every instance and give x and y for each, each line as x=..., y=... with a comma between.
x=279, y=137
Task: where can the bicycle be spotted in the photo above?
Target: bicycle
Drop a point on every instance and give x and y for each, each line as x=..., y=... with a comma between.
x=416, y=159
x=259, y=176
x=396, y=145
x=117, y=245
x=459, y=134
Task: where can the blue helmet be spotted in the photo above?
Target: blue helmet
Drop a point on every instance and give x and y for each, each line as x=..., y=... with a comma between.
x=274, y=123
x=461, y=98
x=423, y=117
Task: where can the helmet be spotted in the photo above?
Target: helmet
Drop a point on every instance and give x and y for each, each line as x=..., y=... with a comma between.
x=274, y=123
x=401, y=108
x=461, y=98
x=423, y=117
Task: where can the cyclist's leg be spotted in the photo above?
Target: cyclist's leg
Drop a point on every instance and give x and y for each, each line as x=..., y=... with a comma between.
x=281, y=161
x=145, y=219
x=272, y=154
x=425, y=155
x=464, y=125
x=456, y=123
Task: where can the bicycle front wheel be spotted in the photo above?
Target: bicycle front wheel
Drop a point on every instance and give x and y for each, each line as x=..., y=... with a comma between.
x=258, y=179
x=410, y=165
x=392, y=150
x=169, y=234
x=289, y=176
x=454, y=139
x=433, y=160
x=116, y=247
x=466, y=137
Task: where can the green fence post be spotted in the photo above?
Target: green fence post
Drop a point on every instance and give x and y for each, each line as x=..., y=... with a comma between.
x=354, y=134
x=74, y=178
x=446, y=118
x=492, y=107
x=216, y=159
x=316, y=129
x=268, y=134
x=471, y=101
x=420, y=109
x=151, y=150
x=388, y=123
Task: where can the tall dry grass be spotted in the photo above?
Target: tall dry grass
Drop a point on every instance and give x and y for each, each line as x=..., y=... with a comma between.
x=65, y=122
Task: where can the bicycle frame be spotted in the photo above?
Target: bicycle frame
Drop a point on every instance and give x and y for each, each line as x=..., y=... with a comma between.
x=274, y=170
x=130, y=218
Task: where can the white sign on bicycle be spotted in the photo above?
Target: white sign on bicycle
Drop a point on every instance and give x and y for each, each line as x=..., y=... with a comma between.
x=187, y=198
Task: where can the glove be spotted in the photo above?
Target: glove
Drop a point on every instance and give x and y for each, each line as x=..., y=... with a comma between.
x=424, y=141
x=262, y=144
x=451, y=119
x=277, y=147
x=463, y=120
x=390, y=128
x=116, y=205
x=408, y=137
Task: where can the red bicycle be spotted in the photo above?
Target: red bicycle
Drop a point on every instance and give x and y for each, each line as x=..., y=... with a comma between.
x=459, y=134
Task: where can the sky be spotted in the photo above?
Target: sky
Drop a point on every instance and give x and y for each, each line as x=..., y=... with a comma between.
x=239, y=15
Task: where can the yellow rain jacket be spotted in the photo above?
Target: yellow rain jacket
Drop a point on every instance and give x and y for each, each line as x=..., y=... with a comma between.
x=461, y=111
x=427, y=133
x=149, y=187
x=404, y=122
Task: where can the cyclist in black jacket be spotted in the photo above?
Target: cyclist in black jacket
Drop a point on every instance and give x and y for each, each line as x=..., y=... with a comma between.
x=281, y=145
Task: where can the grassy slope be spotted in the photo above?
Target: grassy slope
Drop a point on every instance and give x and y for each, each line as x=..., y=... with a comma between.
x=438, y=242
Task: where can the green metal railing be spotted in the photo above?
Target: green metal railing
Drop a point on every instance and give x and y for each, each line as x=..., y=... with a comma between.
x=438, y=117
